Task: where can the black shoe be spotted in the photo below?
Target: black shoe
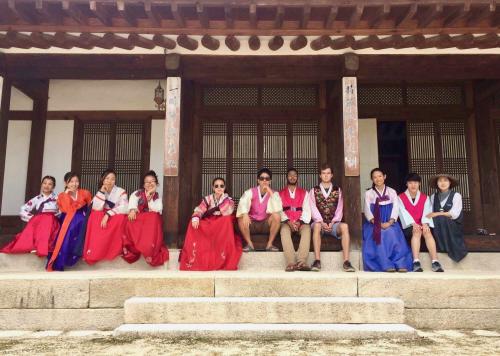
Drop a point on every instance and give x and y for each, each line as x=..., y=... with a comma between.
x=417, y=267
x=436, y=267
x=348, y=267
x=316, y=266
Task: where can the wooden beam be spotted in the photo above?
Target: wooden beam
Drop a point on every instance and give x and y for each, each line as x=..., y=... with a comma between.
x=463, y=41
x=410, y=12
x=210, y=42
x=342, y=42
x=252, y=11
x=202, y=15
x=411, y=41
x=232, y=43
x=389, y=42
x=101, y=13
x=152, y=15
x=176, y=12
x=125, y=13
x=298, y=42
x=356, y=14
x=439, y=41
x=74, y=12
x=280, y=14
x=140, y=41
x=332, y=15
x=321, y=43
x=70, y=40
x=306, y=15
x=430, y=15
x=164, y=42
x=91, y=40
x=254, y=43
x=4, y=128
x=22, y=15
x=37, y=139
x=276, y=43
x=228, y=16
x=380, y=15
x=461, y=12
x=187, y=42
x=117, y=41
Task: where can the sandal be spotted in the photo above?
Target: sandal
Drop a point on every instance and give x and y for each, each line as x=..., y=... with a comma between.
x=290, y=268
x=248, y=248
x=301, y=266
x=272, y=249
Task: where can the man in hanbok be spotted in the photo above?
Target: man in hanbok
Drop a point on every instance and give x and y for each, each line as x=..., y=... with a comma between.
x=259, y=212
x=295, y=219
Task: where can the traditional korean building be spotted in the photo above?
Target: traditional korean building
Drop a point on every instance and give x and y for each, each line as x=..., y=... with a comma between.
x=402, y=84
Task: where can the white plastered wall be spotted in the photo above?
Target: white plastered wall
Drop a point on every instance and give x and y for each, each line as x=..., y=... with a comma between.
x=102, y=95
x=58, y=148
x=16, y=166
x=368, y=152
x=19, y=101
x=157, y=152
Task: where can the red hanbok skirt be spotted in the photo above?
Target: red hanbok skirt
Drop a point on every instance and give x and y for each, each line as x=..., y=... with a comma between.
x=104, y=244
x=144, y=236
x=38, y=235
x=213, y=246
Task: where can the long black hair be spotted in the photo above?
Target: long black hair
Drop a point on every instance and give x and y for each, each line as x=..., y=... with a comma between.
x=104, y=175
x=373, y=171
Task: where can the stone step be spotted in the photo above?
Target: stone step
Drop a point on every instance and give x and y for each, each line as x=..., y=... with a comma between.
x=268, y=310
x=255, y=261
x=267, y=331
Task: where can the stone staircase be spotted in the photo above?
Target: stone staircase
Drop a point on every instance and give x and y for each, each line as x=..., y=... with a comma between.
x=265, y=317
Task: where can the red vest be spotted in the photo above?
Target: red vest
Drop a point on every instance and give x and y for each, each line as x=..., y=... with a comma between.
x=292, y=207
x=416, y=211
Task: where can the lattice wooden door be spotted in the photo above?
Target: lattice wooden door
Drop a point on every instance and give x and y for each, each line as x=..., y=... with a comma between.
x=117, y=145
x=440, y=147
x=236, y=150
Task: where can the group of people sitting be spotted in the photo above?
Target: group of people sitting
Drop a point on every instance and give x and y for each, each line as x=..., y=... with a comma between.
x=73, y=225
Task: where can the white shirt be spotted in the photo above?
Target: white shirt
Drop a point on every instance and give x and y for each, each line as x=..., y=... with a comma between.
x=404, y=216
x=456, y=208
x=155, y=205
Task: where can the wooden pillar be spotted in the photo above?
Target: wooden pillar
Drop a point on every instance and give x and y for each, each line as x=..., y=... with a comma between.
x=488, y=165
x=343, y=105
x=37, y=138
x=4, y=126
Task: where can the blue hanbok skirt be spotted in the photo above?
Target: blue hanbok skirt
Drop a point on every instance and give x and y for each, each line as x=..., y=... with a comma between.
x=393, y=251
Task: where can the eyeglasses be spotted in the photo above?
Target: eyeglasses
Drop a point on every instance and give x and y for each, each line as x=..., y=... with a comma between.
x=267, y=179
x=219, y=185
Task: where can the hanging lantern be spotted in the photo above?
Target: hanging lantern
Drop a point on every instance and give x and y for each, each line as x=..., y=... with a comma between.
x=160, y=97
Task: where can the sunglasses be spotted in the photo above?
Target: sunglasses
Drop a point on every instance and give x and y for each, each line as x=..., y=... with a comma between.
x=267, y=179
x=219, y=185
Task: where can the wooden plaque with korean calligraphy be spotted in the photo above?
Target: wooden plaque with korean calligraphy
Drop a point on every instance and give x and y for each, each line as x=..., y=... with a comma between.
x=172, y=126
x=350, y=120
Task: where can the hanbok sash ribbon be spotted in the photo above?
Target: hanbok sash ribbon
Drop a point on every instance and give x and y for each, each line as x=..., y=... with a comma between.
x=377, y=229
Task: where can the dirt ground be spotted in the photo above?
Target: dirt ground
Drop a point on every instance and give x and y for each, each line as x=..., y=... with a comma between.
x=444, y=342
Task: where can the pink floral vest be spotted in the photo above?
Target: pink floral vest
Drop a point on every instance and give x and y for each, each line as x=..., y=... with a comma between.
x=257, y=209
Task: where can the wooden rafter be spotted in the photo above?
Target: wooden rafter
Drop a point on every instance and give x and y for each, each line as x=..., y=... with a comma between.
x=355, y=17
x=254, y=43
x=164, y=42
x=321, y=43
x=202, y=15
x=433, y=12
x=210, y=42
x=280, y=14
x=276, y=43
x=306, y=15
x=483, y=12
x=140, y=41
x=124, y=12
x=232, y=43
x=332, y=15
x=177, y=15
x=380, y=15
x=19, y=13
x=252, y=11
x=152, y=15
x=100, y=12
x=228, y=16
x=457, y=15
x=74, y=12
x=408, y=15
x=187, y=42
x=298, y=43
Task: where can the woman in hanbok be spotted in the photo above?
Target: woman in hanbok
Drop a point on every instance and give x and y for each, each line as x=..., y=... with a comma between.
x=106, y=224
x=74, y=205
x=144, y=228
x=40, y=214
x=211, y=243
x=448, y=217
x=384, y=244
